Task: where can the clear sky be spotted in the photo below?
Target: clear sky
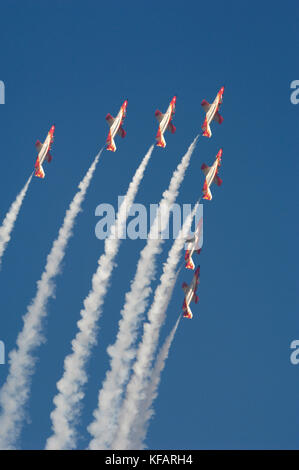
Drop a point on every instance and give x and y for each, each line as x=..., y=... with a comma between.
x=229, y=382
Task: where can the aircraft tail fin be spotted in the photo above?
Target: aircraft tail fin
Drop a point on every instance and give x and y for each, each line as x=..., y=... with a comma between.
x=206, y=192
x=189, y=264
x=206, y=129
x=110, y=143
x=39, y=171
x=160, y=139
x=187, y=313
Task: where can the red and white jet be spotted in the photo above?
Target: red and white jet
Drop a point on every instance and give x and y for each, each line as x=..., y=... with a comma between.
x=211, y=174
x=193, y=246
x=212, y=112
x=43, y=153
x=190, y=294
x=165, y=123
x=116, y=126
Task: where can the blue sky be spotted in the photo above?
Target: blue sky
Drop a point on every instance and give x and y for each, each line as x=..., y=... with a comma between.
x=228, y=382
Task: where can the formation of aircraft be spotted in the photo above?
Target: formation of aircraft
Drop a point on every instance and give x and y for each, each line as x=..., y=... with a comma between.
x=116, y=126
x=165, y=123
x=193, y=246
x=43, y=153
x=212, y=113
x=190, y=294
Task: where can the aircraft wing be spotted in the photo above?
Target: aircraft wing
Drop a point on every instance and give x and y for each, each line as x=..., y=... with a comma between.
x=171, y=128
x=206, y=106
x=121, y=132
x=218, y=118
x=38, y=145
x=185, y=287
x=110, y=119
x=159, y=115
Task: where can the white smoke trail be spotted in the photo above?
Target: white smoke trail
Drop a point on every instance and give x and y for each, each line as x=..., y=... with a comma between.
x=15, y=392
x=10, y=218
x=143, y=422
x=138, y=385
x=70, y=386
x=103, y=427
